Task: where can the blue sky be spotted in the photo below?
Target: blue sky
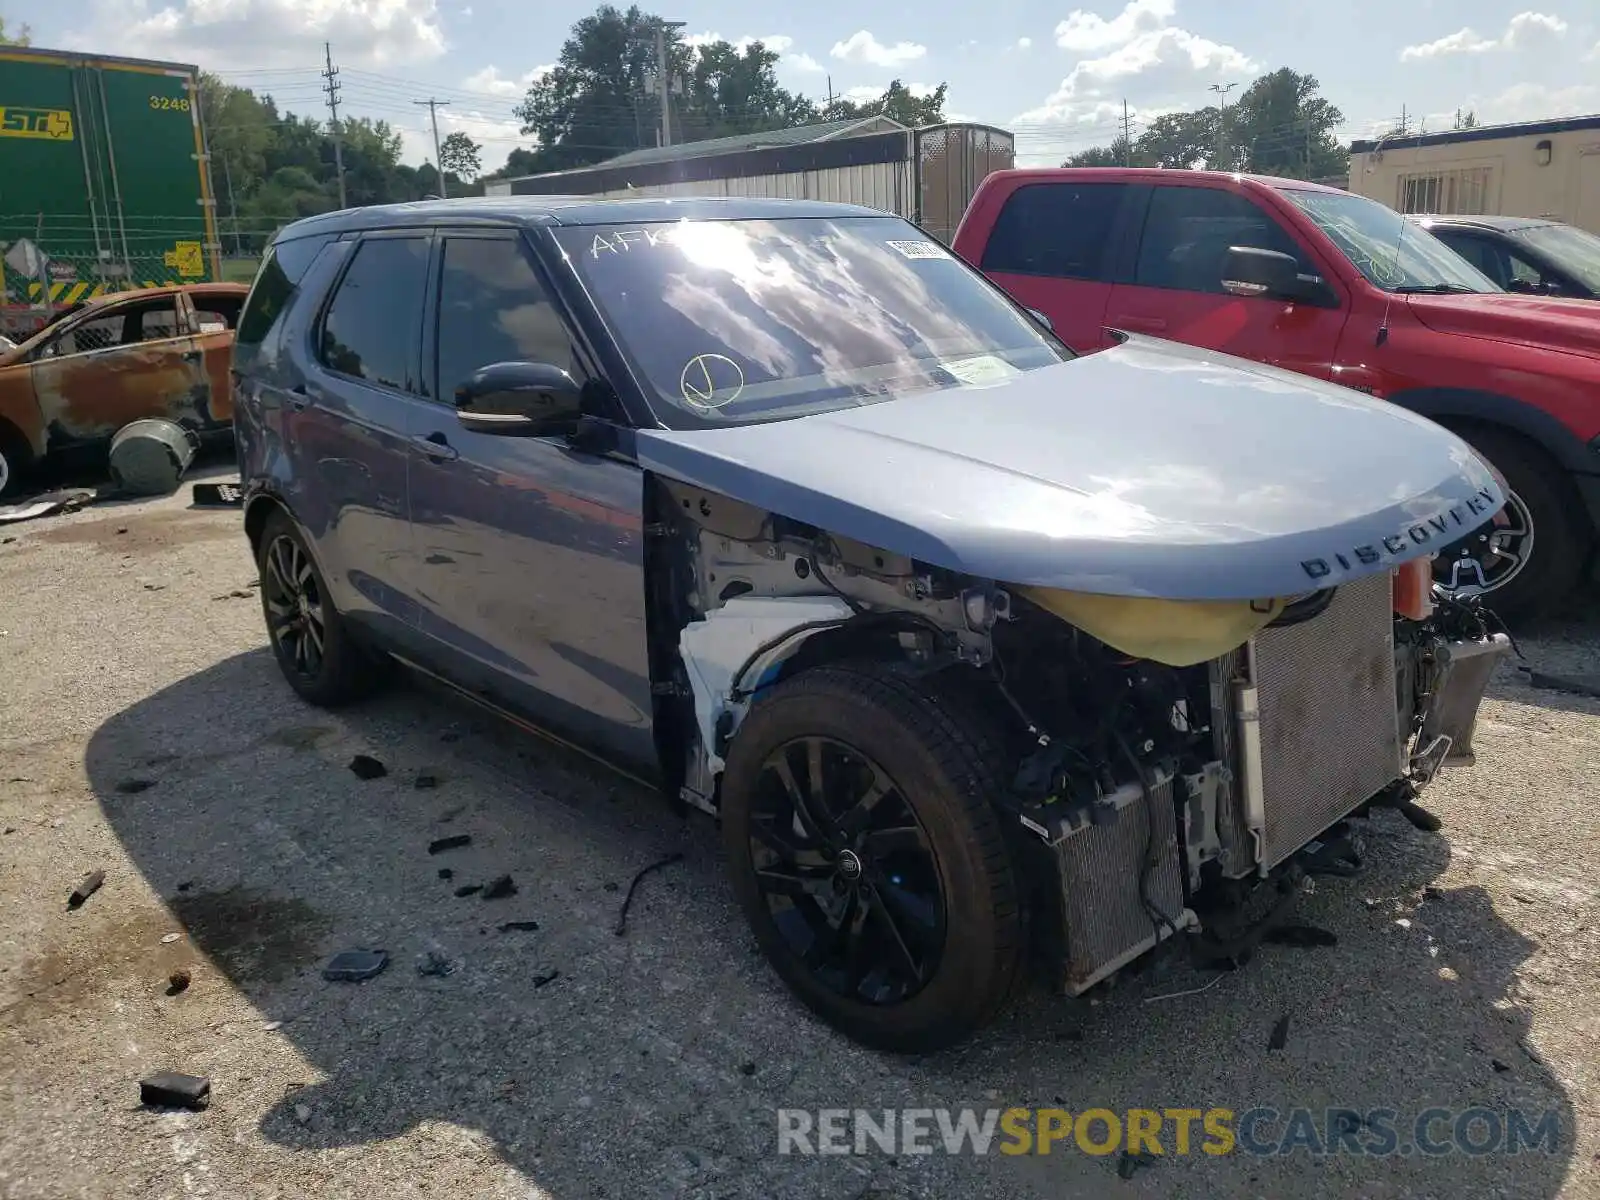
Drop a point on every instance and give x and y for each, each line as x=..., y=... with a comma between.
x=1056, y=74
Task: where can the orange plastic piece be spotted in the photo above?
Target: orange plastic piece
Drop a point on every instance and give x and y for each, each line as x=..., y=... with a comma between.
x=1413, y=589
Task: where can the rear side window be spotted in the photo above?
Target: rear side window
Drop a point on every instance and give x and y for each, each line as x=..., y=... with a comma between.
x=1188, y=232
x=373, y=323
x=281, y=270
x=1061, y=230
x=493, y=309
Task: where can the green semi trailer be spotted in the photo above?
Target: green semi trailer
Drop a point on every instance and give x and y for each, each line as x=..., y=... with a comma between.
x=104, y=181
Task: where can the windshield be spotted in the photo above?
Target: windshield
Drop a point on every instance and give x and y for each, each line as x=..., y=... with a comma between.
x=731, y=322
x=1393, y=253
x=1575, y=251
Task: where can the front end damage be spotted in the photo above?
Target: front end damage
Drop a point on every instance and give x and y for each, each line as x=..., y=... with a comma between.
x=1181, y=772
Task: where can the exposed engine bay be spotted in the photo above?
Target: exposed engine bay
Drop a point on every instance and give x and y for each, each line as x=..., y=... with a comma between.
x=1184, y=782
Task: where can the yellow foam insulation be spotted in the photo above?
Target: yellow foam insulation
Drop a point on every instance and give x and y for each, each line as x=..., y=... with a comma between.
x=1179, y=633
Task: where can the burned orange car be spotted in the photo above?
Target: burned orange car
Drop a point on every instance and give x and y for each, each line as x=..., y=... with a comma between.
x=158, y=352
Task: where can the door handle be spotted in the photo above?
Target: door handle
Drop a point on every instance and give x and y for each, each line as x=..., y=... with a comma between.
x=192, y=356
x=299, y=397
x=436, y=447
x=1143, y=324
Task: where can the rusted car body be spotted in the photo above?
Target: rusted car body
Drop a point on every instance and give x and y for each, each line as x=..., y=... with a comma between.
x=156, y=352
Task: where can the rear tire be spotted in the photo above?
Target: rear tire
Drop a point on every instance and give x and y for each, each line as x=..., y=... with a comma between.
x=16, y=462
x=1542, y=529
x=310, y=639
x=892, y=910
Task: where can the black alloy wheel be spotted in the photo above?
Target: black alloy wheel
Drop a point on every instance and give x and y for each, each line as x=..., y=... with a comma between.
x=296, y=618
x=847, y=871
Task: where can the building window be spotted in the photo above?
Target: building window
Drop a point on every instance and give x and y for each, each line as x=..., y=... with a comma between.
x=1462, y=193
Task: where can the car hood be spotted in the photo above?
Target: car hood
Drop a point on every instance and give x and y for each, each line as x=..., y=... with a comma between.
x=1150, y=469
x=1546, y=322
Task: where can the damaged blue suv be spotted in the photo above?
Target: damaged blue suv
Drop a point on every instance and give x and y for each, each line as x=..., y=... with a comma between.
x=981, y=653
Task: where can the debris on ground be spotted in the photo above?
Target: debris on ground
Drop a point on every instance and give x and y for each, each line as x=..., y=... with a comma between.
x=355, y=966
x=454, y=842
x=178, y=981
x=133, y=786
x=1280, y=1034
x=217, y=495
x=548, y=977
x=88, y=887
x=436, y=965
x=622, y=918
x=186, y=885
x=236, y=594
x=1133, y=1160
x=364, y=766
x=1572, y=685
x=499, y=888
x=469, y=889
x=168, y=938
x=1500, y=1068
x=302, y=1114
x=519, y=926
x=610, y=885
x=44, y=505
x=446, y=873
x=1304, y=937
x=451, y=814
x=171, y=1090
x=748, y=1068
x=424, y=781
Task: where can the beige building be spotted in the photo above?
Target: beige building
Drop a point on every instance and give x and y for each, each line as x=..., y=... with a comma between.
x=1539, y=169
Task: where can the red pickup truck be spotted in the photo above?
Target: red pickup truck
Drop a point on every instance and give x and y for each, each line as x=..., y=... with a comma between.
x=1330, y=284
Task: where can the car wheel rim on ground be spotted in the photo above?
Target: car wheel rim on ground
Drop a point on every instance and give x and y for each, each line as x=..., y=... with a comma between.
x=847, y=871
x=1489, y=558
x=295, y=616
x=5, y=473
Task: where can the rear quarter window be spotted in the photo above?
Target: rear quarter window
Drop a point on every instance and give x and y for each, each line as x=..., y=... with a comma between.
x=283, y=267
x=1059, y=230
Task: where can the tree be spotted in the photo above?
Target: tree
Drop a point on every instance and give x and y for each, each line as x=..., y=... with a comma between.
x=1466, y=120
x=898, y=103
x=1121, y=153
x=23, y=36
x=459, y=156
x=1181, y=140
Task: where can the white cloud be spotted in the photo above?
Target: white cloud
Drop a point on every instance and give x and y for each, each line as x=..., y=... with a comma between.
x=1024, y=43
x=862, y=47
x=490, y=81
x=263, y=34
x=803, y=62
x=1536, y=102
x=1087, y=31
x=779, y=43
x=1524, y=29
x=862, y=95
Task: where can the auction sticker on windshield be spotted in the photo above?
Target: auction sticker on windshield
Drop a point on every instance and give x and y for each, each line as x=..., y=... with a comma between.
x=981, y=370
x=918, y=249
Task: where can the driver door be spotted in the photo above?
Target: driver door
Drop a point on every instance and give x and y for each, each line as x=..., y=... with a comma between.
x=529, y=554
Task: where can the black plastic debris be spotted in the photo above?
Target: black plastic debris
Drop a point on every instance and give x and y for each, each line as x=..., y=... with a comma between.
x=88, y=887
x=454, y=842
x=469, y=889
x=365, y=766
x=171, y=1090
x=519, y=926
x=610, y=885
x=500, y=888
x=622, y=918
x=355, y=966
x=132, y=787
x=1132, y=1161
x=1500, y=1068
x=217, y=495
x=548, y=977
x=186, y=885
x=436, y=965
x=178, y=981
x=424, y=782
x=446, y=873
x=1280, y=1034
x=1303, y=937
x=1572, y=685
x=748, y=1068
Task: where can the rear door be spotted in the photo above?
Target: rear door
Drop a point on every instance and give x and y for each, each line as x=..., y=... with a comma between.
x=1176, y=289
x=1052, y=248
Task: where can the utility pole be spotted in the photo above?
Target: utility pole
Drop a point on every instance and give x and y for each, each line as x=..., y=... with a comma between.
x=233, y=205
x=664, y=77
x=332, y=88
x=1127, y=137
x=438, y=161
x=1222, y=91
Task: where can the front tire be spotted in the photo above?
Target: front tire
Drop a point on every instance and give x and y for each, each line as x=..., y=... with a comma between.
x=16, y=462
x=309, y=637
x=864, y=848
x=1531, y=556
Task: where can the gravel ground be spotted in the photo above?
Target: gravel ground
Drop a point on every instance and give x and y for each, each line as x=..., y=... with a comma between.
x=144, y=732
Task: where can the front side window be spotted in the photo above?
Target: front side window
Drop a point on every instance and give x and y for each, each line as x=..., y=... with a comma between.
x=1391, y=252
x=494, y=309
x=1577, y=251
x=729, y=322
x=1058, y=230
x=372, y=325
x=1188, y=232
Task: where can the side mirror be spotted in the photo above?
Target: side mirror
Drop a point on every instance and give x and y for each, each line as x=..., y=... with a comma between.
x=1252, y=271
x=522, y=399
x=1041, y=319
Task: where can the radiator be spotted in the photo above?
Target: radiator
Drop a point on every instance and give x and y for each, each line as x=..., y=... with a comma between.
x=1104, y=922
x=1326, y=723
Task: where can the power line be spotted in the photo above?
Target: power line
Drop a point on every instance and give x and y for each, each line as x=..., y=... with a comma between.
x=438, y=159
x=331, y=74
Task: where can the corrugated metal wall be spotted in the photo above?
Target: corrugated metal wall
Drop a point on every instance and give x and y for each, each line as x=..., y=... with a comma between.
x=886, y=186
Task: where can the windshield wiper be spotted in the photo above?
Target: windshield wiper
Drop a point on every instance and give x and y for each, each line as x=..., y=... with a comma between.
x=1437, y=289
